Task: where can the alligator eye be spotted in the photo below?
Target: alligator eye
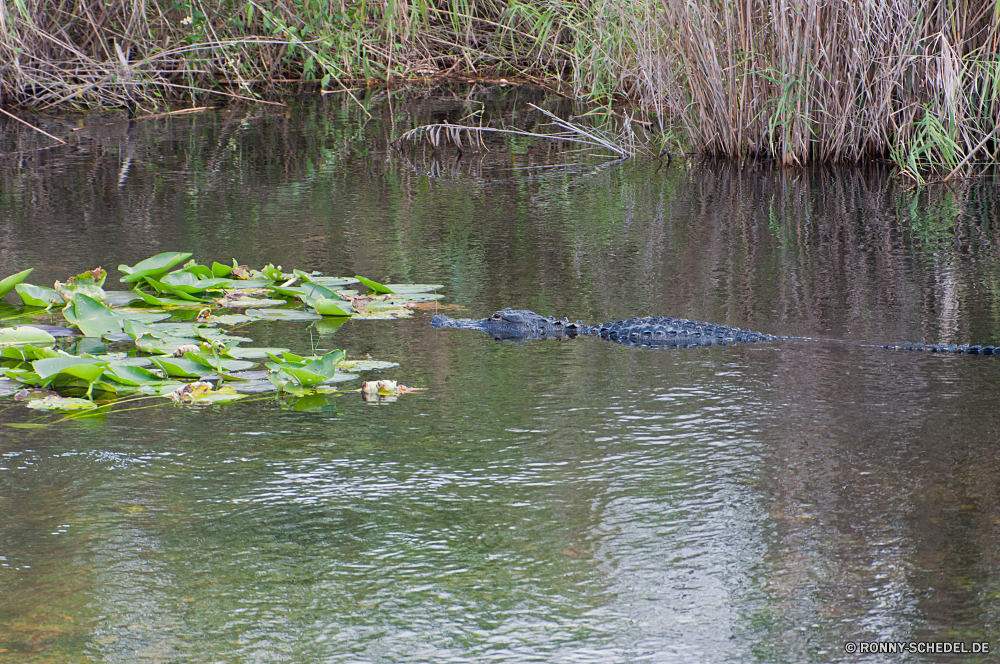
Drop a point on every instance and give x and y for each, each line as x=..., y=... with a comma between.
x=497, y=316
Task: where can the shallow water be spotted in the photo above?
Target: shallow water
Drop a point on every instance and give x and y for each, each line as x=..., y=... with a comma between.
x=547, y=501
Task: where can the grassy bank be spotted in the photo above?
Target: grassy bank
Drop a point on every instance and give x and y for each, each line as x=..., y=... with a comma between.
x=914, y=81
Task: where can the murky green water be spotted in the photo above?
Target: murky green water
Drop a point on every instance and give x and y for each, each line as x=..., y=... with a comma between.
x=550, y=501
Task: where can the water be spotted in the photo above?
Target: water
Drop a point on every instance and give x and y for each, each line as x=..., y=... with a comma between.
x=548, y=501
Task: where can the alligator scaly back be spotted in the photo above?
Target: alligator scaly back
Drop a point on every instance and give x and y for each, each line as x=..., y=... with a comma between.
x=676, y=332
x=656, y=331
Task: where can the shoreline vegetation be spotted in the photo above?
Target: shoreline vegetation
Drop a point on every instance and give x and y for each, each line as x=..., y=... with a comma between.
x=914, y=82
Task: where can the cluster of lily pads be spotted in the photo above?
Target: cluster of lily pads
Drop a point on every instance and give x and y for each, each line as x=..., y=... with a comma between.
x=170, y=334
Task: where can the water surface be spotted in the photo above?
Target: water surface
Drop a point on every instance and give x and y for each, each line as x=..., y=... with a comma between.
x=547, y=501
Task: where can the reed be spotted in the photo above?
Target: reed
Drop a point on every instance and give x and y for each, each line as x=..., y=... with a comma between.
x=916, y=82
x=83, y=54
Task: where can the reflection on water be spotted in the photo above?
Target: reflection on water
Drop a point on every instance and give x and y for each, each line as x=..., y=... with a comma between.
x=549, y=501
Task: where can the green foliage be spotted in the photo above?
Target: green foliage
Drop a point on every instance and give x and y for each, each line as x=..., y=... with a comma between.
x=186, y=350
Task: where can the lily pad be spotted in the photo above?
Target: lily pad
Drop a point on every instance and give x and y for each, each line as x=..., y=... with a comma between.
x=385, y=314
x=327, y=307
x=153, y=267
x=143, y=316
x=8, y=284
x=210, y=362
x=231, y=319
x=374, y=286
x=365, y=365
x=253, y=382
x=92, y=317
x=25, y=334
x=169, y=301
x=329, y=282
x=121, y=298
x=192, y=284
x=165, y=345
x=131, y=375
x=219, y=270
x=182, y=367
x=422, y=297
x=282, y=314
x=38, y=296
x=408, y=289
x=247, y=302
x=61, y=403
x=79, y=367
x=201, y=392
x=254, y=353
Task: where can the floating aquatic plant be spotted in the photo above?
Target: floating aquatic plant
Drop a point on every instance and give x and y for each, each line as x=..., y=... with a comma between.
x=186, y=361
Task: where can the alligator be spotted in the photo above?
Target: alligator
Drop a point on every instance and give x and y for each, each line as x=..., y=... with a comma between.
x=654, y=331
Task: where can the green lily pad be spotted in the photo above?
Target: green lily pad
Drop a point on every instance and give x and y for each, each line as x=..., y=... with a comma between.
x=124, y=360
x=408, y=289
x=189, y=330
x=8, y=284
x=192, y=284
x=163, y=344
x=231, y=319
x=25, y=334
x=216, y=335
x=247, y=284
x=84, y=368
x=374, y=286
x=29, y=352
x=254, y=353
x=327, y=307
x=92, y=317
x=209, y=362
x=282, y=314
x=144, y=316
x=121, y=298
x=221, y=271
x=169, y=301
x=153, y=266
x=201, y=393
x=385, y=314
x=61, y=403
x=162, y=288
x=131, y=375
x=329, y=282
x=245, y=302
x=253, y=382
x=422, y=297
x=38, y=296
x=182, y=367
x=341, y=377
x=365, y=365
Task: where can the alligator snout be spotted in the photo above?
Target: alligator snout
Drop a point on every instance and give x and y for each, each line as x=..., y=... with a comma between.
x=441, y=320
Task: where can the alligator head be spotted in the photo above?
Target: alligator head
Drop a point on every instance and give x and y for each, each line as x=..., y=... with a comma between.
x=514, y=325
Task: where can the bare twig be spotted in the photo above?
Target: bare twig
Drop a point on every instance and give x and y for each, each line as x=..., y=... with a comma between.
x=28, y=124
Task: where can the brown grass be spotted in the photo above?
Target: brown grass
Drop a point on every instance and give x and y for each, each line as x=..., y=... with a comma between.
x=913, y=81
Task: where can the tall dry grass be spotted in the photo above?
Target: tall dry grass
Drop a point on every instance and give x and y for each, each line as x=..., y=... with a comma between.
x=144, y=52
x=916, y=81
